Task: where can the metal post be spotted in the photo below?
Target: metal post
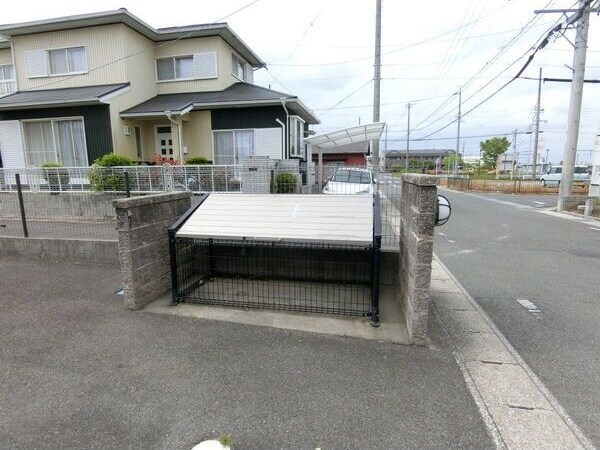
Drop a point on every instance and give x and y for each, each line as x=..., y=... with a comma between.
x=407, y=139
x=458, y=129
x=21, y=205
x=537, y=126
x=377, y=83
x=579, y=57
x=127, y=193
x=376, y=261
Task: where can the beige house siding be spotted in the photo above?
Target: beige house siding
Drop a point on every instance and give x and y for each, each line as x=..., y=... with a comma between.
x=197, y=135
x=103, y=44
x=198, y=45
x=5, y=56
x=142, y=87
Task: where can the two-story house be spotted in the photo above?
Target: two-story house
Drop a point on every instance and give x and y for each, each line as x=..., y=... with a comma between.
x=82, y=86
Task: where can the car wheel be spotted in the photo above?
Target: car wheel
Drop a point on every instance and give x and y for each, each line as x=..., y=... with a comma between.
x=543, y=183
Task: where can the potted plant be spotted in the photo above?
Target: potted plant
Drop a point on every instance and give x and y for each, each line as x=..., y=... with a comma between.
x=56, y=175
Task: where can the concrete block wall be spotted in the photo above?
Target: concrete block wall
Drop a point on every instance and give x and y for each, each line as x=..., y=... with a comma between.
x=142, y=224
x=417, y=210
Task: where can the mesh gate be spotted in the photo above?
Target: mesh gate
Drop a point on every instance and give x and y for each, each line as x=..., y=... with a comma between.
x=318, y=277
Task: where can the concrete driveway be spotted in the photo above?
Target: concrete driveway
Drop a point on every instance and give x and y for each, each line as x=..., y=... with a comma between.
x=79, y=371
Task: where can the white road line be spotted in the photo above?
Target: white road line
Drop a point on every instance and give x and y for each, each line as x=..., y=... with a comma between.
x=540, y=203
x=594, y=228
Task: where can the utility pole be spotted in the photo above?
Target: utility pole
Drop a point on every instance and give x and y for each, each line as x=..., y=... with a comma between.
x=579, y=57
x=512, y=166
x=458, y=129
x=537, y=126
x=407, y=140
x=377, y=82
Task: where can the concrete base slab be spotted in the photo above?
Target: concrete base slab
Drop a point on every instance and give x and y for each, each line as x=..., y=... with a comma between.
x=537, y=428
x=392, y=327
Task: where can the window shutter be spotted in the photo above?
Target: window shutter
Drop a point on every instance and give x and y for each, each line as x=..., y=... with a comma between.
x=35, y=63
x=205, y=65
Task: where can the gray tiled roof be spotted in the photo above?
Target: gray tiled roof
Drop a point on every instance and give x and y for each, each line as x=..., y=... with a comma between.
x=86, y=94
x=236, y=93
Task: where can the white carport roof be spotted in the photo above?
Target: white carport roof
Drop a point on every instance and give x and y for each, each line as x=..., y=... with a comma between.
x=360, y=133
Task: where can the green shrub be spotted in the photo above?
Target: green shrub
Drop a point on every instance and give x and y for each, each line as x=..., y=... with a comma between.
x=103, y=178
x=198, y=160
x=285, y=183
x=114, y=160
x=55, y=176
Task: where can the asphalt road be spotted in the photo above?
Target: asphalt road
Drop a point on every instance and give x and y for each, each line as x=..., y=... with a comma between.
x=505, y=253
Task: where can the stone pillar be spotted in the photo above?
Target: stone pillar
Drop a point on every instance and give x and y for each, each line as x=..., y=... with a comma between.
x=142, y=224
x=417, y=211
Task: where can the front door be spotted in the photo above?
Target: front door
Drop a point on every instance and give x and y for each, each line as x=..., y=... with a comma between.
x=164, y=142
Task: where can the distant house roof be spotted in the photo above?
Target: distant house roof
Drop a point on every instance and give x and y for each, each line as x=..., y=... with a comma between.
x=354, y=147
x=125, y=17
x=236, y=95
x=56, y=97
x=432, y=152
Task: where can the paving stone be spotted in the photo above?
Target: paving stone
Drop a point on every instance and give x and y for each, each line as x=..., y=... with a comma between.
x=463, y=321
x=528, y=429
x=506, y=384
x=447, y=300
x=482, y=347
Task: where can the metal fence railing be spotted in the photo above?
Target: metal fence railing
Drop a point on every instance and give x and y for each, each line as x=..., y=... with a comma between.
x=77, y=201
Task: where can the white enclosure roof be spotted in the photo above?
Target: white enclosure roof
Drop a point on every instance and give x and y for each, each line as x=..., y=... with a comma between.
x=360, y=133
x=341, y=219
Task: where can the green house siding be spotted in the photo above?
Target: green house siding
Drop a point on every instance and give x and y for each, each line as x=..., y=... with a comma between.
x=96, y=120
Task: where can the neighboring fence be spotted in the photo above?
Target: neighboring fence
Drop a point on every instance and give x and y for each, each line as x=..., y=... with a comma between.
x=75, y=202
x=464, y=183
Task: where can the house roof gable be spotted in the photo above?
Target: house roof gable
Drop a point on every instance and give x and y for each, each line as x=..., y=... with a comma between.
x=124, y=16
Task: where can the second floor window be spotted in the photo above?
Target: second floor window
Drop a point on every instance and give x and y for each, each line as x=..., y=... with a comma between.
x=7, y=79
x=238, y=68
x=176, y=68
x=67, y=60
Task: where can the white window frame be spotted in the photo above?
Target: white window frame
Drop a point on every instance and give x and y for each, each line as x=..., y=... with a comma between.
x=232, y=130
x=8, y=81
x=235, y=57
x=174, y=57
x=293, y=136
x=52, y=120
x=49, y=66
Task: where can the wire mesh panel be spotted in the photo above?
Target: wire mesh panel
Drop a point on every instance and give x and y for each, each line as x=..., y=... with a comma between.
x=320, y=278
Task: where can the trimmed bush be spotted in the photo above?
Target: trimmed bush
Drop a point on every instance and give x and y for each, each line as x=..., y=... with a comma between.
x=285, y=183
x=103, y=178
x=198, y=161
x=56, y=177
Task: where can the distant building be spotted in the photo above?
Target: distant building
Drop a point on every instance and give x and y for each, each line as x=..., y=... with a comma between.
x=354, y=154
x=395, y=158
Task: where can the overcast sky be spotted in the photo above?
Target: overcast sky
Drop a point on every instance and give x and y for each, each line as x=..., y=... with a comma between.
x=322, y=51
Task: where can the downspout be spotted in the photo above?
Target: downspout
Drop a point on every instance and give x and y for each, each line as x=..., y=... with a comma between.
x=287, y=122
x=12, y=54
x=283, y=133
x=179, y=135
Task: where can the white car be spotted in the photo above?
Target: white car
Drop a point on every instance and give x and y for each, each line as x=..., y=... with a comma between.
x=554, y=175
x=350, y=181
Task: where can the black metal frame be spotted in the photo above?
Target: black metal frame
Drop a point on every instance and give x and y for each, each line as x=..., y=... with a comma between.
x=315, y=277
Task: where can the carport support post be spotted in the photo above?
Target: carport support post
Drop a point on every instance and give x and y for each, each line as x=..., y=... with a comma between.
x=173, y=258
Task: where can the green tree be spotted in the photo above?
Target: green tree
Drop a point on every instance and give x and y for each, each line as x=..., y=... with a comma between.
x=490, y=150
x=448, y=161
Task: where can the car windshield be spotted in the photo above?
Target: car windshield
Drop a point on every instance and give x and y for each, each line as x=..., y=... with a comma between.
x=352, y=176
